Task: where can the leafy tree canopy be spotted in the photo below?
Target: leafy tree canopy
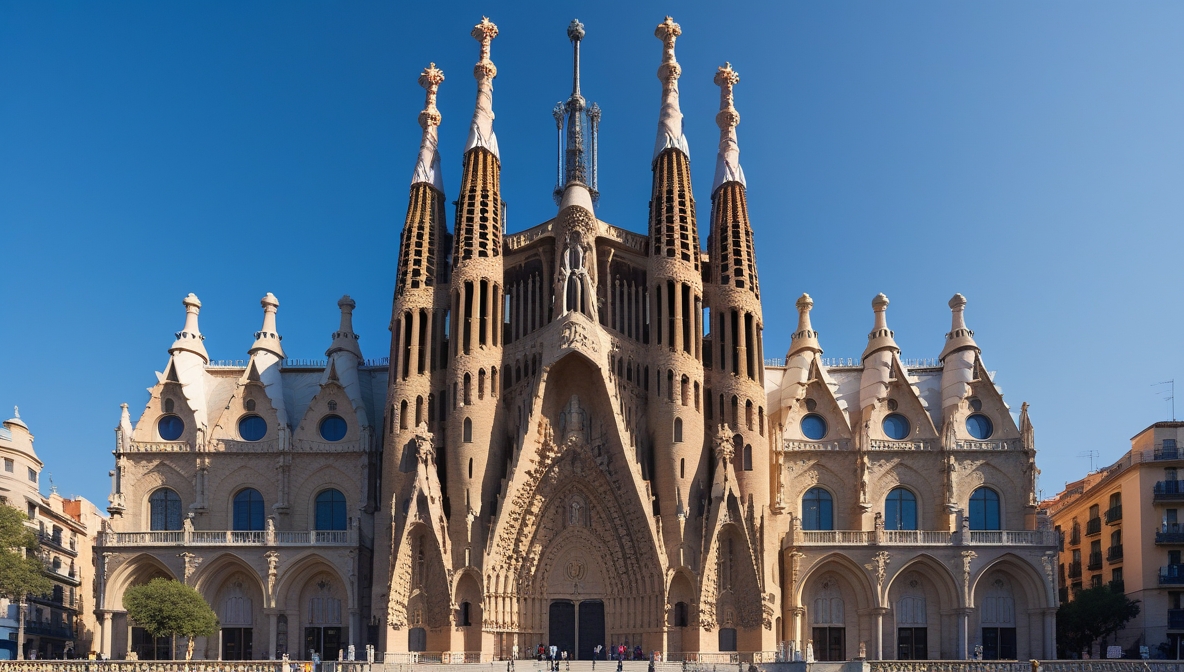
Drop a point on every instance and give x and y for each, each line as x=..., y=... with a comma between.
x=166, y=608
x=1093, y=614
x=21, y=571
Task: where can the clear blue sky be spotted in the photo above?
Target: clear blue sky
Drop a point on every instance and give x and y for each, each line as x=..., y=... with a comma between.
x=1028, y=155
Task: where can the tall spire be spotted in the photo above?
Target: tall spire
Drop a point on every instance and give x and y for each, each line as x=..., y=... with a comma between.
x=577, y=151
x=727, y=163
x=427, y=168
x=481, y=130
x=670, y=117
x=189, y=338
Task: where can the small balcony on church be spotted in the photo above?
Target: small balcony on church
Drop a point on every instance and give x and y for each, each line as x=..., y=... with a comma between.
x=262, y=538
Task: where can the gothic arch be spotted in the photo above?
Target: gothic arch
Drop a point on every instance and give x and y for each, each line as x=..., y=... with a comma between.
x=211, y=574
x=845, y=568
x=936, y=572
x=133, y=572
x=300, y=571
x=1024, y=577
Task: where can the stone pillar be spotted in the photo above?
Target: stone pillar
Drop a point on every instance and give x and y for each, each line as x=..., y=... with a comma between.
x=963, y=633
x=105, y=646
x=1050, y=634
x=798, y=639
x=355, y=628
x=878, y=634
x=273, y=618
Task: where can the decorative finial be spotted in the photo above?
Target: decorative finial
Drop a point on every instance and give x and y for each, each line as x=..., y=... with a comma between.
x=481, y=130
x=267, y=337
x=427, y=166
x=190, y=338
x=727, y=162
x=805, y=338
x=670, y=117
x=16, y=412
x=959, y=337
x=881, y=336
x=575, y=30
x=345, y=338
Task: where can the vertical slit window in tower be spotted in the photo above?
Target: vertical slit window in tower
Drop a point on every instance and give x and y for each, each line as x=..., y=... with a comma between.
x=735, y=413
x=687, y=321
x=468, y=317
x=735, y=343
x=722, y=414
x=454, y=328
x=480, y=384
x=432, y=409
x=446, y=317
x=684, y=391
x=508, y=321
x=406, y=344
x=723, y=339
x=750, y=341
x=443, y=405
x=658, y=313
x=707, y=403
x=482, y=312
x=760, y=355
x=421, y=355
x=760, y=419
x=495, y=310
x=396, y=349
x=670, y=310
x=403, y=414
x=493, y=381
x=468, y=389
x=696, y=395
x=418, y=411
x=748, y=414
x=697, y=332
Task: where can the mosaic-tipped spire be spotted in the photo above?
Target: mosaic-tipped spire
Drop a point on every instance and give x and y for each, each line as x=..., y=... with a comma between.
x=267, y=338
x=880, y=336
x=727, y=162
x=670, y=117
x=805, y=338
x=189, y=339
x=481, y=131
x=959, y=338
x=427, y=168
x=344, y=339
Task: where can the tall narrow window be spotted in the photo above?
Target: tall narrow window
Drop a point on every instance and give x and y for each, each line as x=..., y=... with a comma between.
x=467, y=430
x=900, y=510
x=164, y=510
x=248, y=510
x=817, y=510
x=330, y=510
x=984, y=510
x=678, y=430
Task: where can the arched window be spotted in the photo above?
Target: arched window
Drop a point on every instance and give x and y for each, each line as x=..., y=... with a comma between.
x=747, y=458
x=164, y=508
x=493, y=381
x=900, y=510
x=331, y=510
x=984, y=510
x=468, y=389
x=681, y=612
x=403, y=414
x=686, y=389
x=748, y=414
x=467, y=430
x=168, y=405
x=678, y=430
x=248, y=510
x=481, y=383
x=670, y=385
x=817, y=510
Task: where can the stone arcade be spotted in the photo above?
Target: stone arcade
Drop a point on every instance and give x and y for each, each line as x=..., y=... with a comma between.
x=582, y=443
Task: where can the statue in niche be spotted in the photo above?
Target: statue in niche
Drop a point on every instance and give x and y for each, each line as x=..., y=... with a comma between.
x=576, y=285
x=574, y=422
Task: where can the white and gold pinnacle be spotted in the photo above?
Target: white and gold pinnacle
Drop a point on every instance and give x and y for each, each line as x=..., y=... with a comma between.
x=481, y=130
x=727, y=163
x=670, y=117
x=427, y=167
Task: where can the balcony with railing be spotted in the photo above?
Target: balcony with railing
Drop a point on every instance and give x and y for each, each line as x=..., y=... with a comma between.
x=231, y=538
x=1114, y=514
x=1093, y=527
x=1075, y=537
x=42, y=629
x=924, y=538
x=1175, y=619
x=1114, y=553
x=1168, y=491
x=1095, y=560
x=1166, y=453
x=1170, y=533
x=1171, y=575
x=1075, y=570
x=1117, y=586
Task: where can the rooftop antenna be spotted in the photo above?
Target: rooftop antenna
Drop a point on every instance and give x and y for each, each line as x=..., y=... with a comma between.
x=1171, y=394
x=1092, y=455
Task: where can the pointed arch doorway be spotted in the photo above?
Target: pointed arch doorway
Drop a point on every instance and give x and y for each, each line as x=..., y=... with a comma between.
x=576, y=627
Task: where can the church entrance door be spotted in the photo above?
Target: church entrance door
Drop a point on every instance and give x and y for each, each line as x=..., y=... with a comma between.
x=561, y=632
x=591, y=628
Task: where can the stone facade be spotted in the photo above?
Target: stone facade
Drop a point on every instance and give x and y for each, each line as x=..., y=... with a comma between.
x=581, y=443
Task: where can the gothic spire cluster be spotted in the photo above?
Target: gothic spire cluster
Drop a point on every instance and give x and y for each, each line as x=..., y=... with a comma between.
x=577, y=148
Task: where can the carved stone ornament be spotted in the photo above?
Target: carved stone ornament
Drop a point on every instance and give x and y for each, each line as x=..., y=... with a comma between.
x=575, y=336
x=879, y=567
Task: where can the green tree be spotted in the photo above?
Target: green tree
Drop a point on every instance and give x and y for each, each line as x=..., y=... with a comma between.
x=22, y=573
x=1093, y=614
x=167, y=608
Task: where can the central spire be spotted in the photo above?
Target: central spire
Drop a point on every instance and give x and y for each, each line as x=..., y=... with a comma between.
x=577, y=161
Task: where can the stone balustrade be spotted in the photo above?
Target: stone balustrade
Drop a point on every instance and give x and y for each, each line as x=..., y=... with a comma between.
x=924, y=538
x=231, y=538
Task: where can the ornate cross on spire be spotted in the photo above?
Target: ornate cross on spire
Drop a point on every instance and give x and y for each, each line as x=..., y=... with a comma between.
x=430, y=80
x=727, y=163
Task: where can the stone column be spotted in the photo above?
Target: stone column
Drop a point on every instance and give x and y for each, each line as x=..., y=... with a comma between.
x=1050, y=634
x=963, y=633
x=878, y=635
x=105, y=638
x=273, y=625
x=798, y=639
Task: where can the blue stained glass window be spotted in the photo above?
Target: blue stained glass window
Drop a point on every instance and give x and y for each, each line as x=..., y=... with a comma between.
x=979, y=426
x=896, y=427
x=331, y=510
x=900, y=510
x=164, y=508
x=333, y=428
x=984, y=509
x=248, y=510
x=252, y=428
x=813, y=427
x=170, y=427
x=817, y=510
